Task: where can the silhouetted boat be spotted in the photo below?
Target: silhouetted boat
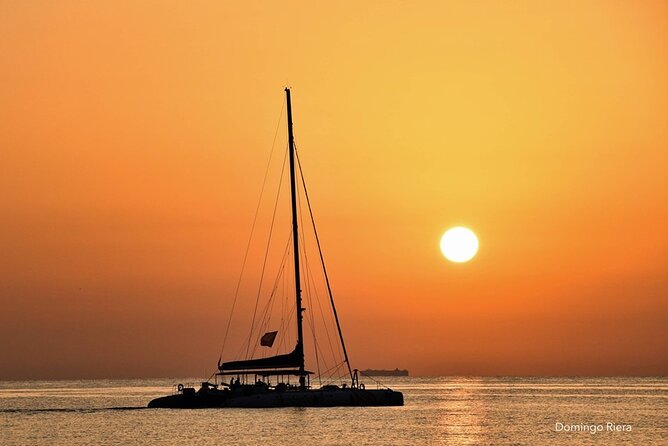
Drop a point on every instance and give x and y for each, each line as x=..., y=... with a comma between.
x=258, y=392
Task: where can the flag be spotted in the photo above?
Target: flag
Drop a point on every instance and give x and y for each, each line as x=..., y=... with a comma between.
x=267, y=339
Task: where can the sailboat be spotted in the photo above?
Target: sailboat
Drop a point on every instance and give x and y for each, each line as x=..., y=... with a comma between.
x=260, y=392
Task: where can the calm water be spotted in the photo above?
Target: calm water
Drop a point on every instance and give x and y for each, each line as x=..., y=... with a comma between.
x=447, y=411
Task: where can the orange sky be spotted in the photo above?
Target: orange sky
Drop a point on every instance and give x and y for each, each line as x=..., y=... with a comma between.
x=134, y=137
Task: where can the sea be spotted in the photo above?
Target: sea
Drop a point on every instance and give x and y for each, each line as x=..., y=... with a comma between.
x=437, y=411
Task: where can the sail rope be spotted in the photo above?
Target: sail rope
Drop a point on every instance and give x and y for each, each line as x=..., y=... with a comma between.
x=250, y=237
x=307, y=283
x=310, y=277
x=285, y=323
x=378, y=383
x=266, y=254
x=287, y=311
x=313, y=286
x=265, y=319
x=333, y=370
x=312, y=294
x=287, y=305
x=324, y=269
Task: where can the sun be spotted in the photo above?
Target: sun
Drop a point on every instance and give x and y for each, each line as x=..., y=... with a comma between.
x=459, y=244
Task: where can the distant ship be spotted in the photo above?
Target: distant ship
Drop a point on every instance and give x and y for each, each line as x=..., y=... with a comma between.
x=373, y=372
x=250, y=380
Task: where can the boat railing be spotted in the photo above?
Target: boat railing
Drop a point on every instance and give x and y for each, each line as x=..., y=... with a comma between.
x=178, y=388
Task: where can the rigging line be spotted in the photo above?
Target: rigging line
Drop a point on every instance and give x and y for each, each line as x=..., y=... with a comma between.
x=311, y=289
x=287, y=338
x=315, y=342
x=268, y=308
x=286, y=311
x=311, y=281
x=264, y=322
x=250, y=237
x=309, y=275
x=334, y=367
x=310, y=285
x=324, y=269
x=318, y=350
x=266, y=253
x=316, y=346
x=332, y=322
x=284, y=292
x=266, y=318
x=339, y=372
x=289, y=313
x=305, y=269
x=378, y=383
x=266, y=311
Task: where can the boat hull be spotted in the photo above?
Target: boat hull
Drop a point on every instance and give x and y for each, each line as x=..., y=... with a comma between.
x=299, y=398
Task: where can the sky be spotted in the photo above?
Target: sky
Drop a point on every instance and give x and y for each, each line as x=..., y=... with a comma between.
x=134, y=137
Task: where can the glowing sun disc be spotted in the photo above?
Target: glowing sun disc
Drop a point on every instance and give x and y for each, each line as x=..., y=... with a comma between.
x=459, y=244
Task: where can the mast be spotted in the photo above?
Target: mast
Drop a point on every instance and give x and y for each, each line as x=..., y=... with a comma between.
x=295, y=240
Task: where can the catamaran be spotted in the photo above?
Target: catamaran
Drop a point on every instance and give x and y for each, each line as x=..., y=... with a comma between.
x=265, y=382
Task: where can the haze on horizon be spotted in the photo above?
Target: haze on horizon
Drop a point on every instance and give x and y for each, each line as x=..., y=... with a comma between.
x=134, y=137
